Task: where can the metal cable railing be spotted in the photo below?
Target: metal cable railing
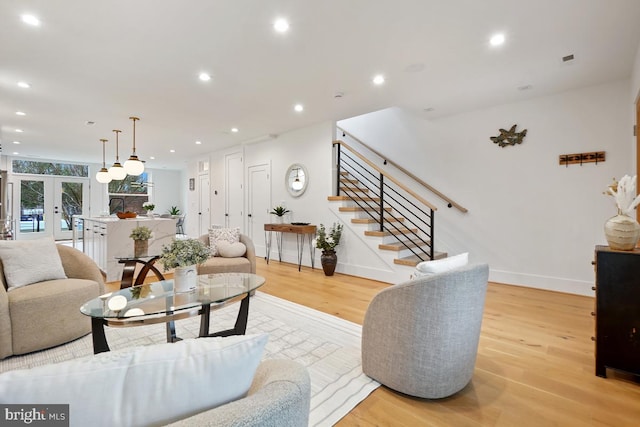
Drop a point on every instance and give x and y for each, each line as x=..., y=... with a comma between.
x=395, y=208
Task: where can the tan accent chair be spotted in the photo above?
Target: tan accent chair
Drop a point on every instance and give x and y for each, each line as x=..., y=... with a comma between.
x=46, y=314
x=218, y=264
x=421, y=337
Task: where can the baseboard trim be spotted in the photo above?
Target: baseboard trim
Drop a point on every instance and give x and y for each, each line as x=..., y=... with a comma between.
x=548, y=283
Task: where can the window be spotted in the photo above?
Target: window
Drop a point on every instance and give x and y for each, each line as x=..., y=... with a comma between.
x=49, y=168
x=129, y=194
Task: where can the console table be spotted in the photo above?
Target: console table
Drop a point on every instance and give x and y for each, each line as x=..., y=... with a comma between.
x=617, y=310
x=299, y=230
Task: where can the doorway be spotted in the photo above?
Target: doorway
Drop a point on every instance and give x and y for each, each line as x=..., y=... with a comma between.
x=204, y=204
x=45, y=205
x=234, y=193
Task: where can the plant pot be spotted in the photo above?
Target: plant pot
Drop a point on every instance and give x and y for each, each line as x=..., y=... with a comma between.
x=279, y=219
x=185, y=279
x=140, y=248
x=622, y=232
x=329, y=259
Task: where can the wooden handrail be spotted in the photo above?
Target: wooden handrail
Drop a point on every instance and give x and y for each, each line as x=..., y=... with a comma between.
x=389, y=177
x=406, y=172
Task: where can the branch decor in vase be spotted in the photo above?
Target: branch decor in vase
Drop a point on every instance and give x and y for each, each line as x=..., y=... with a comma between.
x=622, y=231
x=327, y=241
x=140, y=236
x=183, y=255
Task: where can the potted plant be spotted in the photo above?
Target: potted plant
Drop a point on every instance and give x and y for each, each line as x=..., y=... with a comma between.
x=173, y=211
x=327, y=242
x=279, y=212
x=140, y=236
x=183, y=255
x=149, y=207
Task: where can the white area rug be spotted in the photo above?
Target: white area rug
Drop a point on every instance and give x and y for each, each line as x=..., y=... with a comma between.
x=328, y=346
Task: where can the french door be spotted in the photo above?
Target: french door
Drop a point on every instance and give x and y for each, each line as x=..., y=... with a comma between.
x=45, y=205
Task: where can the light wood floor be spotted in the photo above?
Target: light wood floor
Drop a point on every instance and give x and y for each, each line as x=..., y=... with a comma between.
x=535, y=364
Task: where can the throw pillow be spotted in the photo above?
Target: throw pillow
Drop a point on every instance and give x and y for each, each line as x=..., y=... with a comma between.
x=231, y=250
x=231, y=235
x=428, y=268
x=30, y=261
x=148, y=385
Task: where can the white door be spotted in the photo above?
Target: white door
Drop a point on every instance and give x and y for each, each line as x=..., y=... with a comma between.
x=46, y=205
x=259, y=196
x=204, y=204
x=234, y=194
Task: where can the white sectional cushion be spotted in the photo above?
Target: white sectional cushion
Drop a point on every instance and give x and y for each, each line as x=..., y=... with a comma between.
x=231, y=235
x=231, y=250
x=427, y=268
x=141, y=386
x=30, y=261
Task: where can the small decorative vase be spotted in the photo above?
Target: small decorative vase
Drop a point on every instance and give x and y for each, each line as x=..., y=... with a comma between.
x=622, y=232
x=185, y=279
x=279, y=219
x=329, y=259
x=140, y=248
x=149, y=213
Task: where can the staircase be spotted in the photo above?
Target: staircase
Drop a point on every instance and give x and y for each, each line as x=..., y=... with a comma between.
x=404, y=242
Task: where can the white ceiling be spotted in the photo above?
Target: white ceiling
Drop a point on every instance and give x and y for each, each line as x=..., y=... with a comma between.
x=104, y=61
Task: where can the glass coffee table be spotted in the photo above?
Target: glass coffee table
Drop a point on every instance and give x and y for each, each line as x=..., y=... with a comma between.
x=158, y=303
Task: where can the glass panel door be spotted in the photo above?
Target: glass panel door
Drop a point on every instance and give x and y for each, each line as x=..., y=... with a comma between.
x=47, y=205
x=31, y=208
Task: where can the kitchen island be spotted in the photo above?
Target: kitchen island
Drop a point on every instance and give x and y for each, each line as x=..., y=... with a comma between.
x=106, y=239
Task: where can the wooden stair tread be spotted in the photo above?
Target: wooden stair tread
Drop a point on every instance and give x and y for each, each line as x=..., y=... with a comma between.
x=398, y=246
x=374, y=221
x=389, y=233
x=360, y=209
x=413, y=260
x=347, y=198
x=354, y=189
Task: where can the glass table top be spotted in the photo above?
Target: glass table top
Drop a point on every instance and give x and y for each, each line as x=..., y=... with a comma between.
x=159, y=297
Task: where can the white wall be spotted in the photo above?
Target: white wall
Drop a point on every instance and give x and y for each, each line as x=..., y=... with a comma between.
x=536, y=223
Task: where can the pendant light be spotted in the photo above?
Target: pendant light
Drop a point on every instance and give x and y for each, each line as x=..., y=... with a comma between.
x=103, y=174
x=134, y=166
x=117, y=172
x=297, y=184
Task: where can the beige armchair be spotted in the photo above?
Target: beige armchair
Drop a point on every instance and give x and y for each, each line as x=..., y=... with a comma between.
x=46, y=314
x=421, y=337
x=217, y=264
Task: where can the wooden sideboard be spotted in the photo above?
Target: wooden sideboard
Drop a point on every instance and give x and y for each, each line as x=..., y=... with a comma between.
x=617, y=310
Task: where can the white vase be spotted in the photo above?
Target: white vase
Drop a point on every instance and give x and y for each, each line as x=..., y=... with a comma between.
x=622, y=232
x=185, y=279
x=279, y=219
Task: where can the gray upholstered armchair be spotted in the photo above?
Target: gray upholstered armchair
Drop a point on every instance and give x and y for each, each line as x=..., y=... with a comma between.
x=421, y=337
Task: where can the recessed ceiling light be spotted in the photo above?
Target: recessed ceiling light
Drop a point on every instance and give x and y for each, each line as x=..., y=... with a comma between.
x=24, y=85
x=20, y=113
x=19, y=130
x=198, y=142
x=234, y=130
x=204, y=77
x=281, y=25
x=298, y=107
x=172, y=151
x=16, y=142
x=152, y=158
x=15, y=153
x=497, y=39
x=31, y=20
x=378, y=80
